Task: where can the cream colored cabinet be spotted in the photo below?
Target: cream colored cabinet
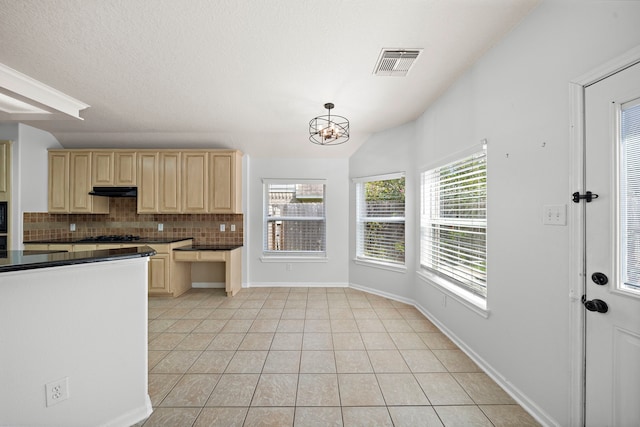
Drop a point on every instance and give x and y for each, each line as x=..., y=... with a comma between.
x=102, y=168
x=225, y=182
x=125, y=173
x=114, y=168
x=5, y=170
x=80, y=185
x=58, y=181
x=148, y=179
x=159, y=274
x=70, y=184
x=170, y=182
x=165, y=275
x=195, y=182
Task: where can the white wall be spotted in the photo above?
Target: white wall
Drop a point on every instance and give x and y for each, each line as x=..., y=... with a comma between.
x=334, y=272
x=384, y=153
x=517, y=97
x=29, y=177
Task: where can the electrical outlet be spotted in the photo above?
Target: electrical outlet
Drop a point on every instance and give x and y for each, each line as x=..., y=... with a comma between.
x=160, y=227
x=72, y=227
x=289, y=267
x=222, y=227
x=57, y=391
x=233, y=227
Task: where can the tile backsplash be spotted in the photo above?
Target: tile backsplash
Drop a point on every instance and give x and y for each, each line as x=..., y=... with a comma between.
x=124, y=219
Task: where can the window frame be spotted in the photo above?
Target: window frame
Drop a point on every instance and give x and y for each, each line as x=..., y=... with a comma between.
x=449, y=285
x=360, y=220
x=291, y=256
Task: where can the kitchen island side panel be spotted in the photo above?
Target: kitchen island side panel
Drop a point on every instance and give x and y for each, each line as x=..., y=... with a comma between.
x=87, y=323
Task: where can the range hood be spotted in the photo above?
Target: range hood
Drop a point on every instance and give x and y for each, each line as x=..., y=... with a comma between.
x=114, y=191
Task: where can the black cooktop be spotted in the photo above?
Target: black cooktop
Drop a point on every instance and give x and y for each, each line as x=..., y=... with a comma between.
x=111, y=238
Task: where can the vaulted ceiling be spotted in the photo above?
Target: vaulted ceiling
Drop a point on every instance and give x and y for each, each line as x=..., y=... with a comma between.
x=245, y=74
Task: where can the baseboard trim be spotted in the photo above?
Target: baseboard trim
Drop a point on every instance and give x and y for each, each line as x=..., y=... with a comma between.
x=527, y=404
x=295, y=285
x=132, y=417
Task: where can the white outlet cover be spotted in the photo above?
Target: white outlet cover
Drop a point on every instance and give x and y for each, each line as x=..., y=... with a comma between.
x=57, y=391
x=222, y=227
x=554, y=215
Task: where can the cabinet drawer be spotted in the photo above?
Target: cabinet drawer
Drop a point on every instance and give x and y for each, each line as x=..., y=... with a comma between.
x=212, y=255
x=189, y=256
x=199, y=256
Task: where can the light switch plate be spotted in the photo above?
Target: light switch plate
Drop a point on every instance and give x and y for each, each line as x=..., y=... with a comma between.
x=554, y=215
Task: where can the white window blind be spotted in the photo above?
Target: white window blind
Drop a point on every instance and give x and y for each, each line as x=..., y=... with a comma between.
x=630, y=195
x=380, y=227
x=454, y=222
x=294, y=218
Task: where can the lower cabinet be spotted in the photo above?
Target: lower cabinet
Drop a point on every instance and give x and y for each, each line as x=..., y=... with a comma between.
x=166, y=276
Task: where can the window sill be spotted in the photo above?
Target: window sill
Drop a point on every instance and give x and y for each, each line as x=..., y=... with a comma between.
x=381, y=265
x=288, y=258
x=473, y=302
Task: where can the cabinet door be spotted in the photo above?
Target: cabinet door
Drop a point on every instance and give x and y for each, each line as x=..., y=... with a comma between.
x=222, y=182
x=194, y=182
x=159, y=274
x=80, y=184
x=125, y=168
x=147, y=182
x=58, y=182
x=5, y=163
x=102, y=168
x=170, y=179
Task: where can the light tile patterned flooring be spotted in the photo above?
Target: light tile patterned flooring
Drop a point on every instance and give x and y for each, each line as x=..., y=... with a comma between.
x=311, y=357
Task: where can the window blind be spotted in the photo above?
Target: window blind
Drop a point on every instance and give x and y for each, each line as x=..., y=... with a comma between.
x=294, y=218
x=630, y=195
x=380, y=228
x=454, y=222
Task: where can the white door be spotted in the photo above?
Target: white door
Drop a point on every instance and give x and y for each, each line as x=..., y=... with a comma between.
x=612, y=171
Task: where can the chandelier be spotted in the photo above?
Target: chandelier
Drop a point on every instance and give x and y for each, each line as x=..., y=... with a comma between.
x=328, y=129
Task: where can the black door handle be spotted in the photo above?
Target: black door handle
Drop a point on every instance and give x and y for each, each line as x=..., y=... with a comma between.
x=595, y=305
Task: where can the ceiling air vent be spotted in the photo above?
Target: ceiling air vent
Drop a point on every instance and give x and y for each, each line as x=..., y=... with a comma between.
x=395, y=62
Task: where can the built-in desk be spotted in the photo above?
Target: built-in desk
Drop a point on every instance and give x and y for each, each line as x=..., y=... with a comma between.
x=230, y=255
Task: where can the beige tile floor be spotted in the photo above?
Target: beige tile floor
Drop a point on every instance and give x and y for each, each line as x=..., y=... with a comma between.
x=311, y=357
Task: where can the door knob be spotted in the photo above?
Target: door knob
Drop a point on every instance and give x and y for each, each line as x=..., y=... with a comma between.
x=599, y=279
x=595, y=305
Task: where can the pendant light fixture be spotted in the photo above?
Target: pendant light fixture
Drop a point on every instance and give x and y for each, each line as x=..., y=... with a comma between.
x=328, y=129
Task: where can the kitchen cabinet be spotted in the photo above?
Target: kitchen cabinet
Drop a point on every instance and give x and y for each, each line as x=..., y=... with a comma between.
x=114, y=168
x=195, y=182
x=170, y=176
x=58, y=182
x=165, y=275
x=148, y=167
x=168, y=181
x=225, y=178
x=70, y=184
x=5, y=170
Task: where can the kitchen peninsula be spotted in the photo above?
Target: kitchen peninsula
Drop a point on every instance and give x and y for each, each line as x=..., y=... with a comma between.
x=77, y=322
x=170, y=267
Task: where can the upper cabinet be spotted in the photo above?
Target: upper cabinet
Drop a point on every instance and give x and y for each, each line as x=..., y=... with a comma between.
x=168, y=181
x=70, y=183
x=148, y=182
x=195, y=182
x=114, y=168
x=5, y=170
x=225, y=178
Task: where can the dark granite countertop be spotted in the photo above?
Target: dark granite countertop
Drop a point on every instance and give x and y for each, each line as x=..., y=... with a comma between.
x=89, y=241
x=29, y=260
x=208, y=248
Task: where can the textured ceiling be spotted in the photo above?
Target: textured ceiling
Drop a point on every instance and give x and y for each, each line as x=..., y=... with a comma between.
x=244, y=74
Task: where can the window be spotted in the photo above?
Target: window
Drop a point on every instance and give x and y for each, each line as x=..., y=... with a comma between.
x=380, y=219
x=629, y=183
x=294, y=218
x=453, y=223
